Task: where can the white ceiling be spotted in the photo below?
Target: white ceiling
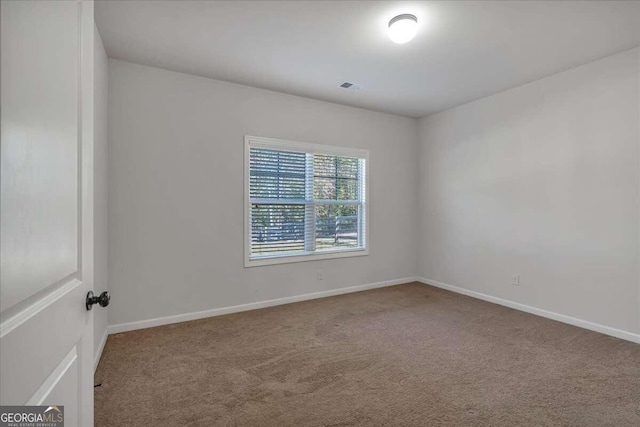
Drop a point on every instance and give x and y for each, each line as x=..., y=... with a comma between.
x=463, y=50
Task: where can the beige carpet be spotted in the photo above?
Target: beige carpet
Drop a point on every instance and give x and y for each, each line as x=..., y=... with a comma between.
x=408, y=355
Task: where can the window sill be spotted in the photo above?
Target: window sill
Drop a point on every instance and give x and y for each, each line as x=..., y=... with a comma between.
x=286, y=259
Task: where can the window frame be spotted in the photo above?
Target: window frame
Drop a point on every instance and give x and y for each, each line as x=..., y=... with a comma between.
x=304, y=147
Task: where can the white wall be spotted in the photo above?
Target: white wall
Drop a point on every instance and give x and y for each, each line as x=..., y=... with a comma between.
x=176, y=192
x=100, y=320
x=541, y=181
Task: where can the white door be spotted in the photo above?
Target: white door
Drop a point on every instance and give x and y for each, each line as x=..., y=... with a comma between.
x=46, y=333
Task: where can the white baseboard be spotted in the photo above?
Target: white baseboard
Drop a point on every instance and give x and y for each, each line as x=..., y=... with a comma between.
x=607, y=330
x=98, y=354
x=159, y=321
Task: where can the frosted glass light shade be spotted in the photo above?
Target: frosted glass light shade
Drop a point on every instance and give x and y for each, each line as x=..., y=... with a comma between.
x=403, y=28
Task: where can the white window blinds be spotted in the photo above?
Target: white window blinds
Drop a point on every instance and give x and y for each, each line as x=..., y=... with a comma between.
x=304, y=200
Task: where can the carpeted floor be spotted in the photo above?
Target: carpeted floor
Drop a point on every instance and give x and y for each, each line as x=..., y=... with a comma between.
x=407, y=355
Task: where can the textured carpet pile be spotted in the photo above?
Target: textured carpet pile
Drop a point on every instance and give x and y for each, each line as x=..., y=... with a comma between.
x=407, y=355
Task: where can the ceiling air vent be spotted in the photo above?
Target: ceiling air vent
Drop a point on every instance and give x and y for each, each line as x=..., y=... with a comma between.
x=351, y=86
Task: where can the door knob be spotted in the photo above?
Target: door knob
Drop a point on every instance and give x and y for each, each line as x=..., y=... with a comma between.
x=103, y=299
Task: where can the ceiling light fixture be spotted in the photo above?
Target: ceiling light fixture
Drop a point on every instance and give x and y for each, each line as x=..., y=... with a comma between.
x=403, y=28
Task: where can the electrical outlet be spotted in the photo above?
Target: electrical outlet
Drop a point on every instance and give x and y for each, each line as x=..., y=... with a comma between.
x=515, y=280
x=320, y=275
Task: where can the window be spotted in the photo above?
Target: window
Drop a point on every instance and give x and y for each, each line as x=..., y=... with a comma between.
x=303, y=201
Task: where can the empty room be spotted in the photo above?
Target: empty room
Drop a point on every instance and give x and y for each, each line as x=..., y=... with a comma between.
x=319, y=213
